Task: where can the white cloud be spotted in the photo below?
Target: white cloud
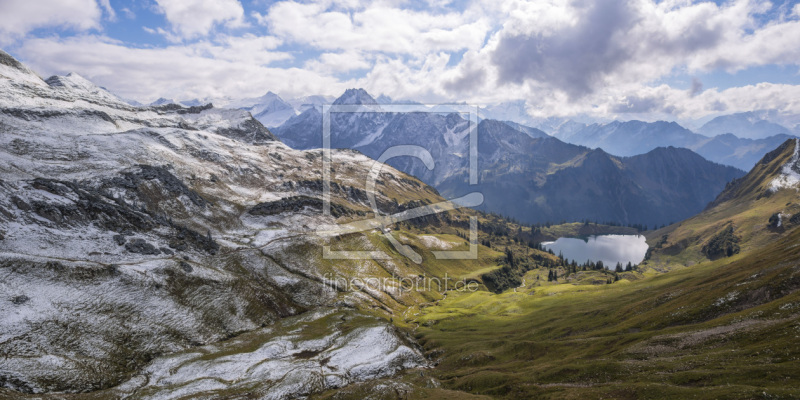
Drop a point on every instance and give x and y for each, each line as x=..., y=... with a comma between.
x=582, y=46
x=600, y=57
x=128, y=13
x=338, y=62
x=195, y=18
x=377, y=27
x=110, y=14
x=18, y=17
x=196, y=71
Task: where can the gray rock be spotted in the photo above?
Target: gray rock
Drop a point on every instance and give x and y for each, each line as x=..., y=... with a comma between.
x=140, y=246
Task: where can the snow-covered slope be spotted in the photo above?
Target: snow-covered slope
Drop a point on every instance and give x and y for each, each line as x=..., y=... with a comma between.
x=128, y=234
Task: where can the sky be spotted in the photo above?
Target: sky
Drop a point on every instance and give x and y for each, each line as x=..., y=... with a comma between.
x=637, y=59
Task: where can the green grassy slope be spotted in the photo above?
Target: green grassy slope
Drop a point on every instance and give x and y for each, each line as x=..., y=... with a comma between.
x=720, y=330
x=746, y=204
x=713, y=327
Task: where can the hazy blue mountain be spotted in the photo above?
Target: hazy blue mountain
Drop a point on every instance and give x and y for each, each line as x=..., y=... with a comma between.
x=631, y=137
x=637, y=137
x=303, y=131
x=161, y=101
x=739, y=152
x=748, y=125
x=545, y=179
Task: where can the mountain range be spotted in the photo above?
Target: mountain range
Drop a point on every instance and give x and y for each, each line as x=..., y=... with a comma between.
x=525, y=173
x=752, y=125
x=637, y=137
x=738, y=140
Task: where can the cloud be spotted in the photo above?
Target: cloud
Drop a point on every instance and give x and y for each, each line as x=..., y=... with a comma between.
x=18, y=17
x=129, y=14
x=195, y=18
x=696, y=88
x=573, y=59
x=592, y=44
x=466, y=81
x=110, y=14
x=339, y=62
x=376, y=27
x=230, y=68
x=637, y=105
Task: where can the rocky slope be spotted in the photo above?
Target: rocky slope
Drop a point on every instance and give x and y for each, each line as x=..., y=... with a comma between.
x=130, y=236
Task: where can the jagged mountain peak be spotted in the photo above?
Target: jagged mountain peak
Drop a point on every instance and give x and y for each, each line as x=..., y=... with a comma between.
x=161, y=101
x=7, y=60
x=355, y=97
x=23, y=86
x=269, y=96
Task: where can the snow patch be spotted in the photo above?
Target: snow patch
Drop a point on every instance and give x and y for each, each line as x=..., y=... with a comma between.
x=789, y=177
x=433, y=242
x=287, y=365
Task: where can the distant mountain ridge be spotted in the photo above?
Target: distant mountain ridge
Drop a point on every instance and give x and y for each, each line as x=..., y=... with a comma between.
x=739, y=140
x=747, y=125
x=631, y=137
x=524, y=173
x=637, y=137
x=548, y=180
